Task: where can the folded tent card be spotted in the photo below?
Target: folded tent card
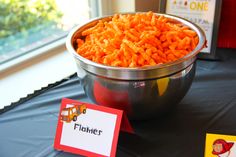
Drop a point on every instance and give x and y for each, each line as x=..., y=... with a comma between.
x=218, y=145
x=88, y=129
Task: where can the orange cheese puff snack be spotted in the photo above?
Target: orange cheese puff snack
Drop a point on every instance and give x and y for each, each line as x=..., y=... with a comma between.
x=136, y=40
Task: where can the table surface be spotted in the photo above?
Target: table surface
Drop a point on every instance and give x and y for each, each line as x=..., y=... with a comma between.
x=27, y=127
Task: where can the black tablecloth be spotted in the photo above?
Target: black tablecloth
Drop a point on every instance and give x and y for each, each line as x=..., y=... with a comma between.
x=27, y=127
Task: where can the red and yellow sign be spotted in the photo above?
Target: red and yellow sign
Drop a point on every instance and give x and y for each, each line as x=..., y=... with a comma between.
x=220, y=145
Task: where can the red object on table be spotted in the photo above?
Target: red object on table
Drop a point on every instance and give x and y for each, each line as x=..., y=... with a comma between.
x=105, y=97
x=227, y=31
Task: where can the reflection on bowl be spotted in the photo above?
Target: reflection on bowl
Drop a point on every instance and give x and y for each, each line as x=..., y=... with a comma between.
x=141, y=92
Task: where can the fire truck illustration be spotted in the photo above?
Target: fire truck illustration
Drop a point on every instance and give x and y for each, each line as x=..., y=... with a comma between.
x=71, y=113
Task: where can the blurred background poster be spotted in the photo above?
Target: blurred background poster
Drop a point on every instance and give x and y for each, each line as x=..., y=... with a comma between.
x=201, y=12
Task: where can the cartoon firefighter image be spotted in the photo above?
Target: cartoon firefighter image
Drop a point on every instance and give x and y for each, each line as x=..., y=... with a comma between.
x=71, y=113
x=221, y=148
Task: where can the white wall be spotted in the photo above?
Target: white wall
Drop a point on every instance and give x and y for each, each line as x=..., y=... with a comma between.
x=123, y=6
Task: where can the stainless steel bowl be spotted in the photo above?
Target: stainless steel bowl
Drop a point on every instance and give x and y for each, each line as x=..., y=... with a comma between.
x=141, y=92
